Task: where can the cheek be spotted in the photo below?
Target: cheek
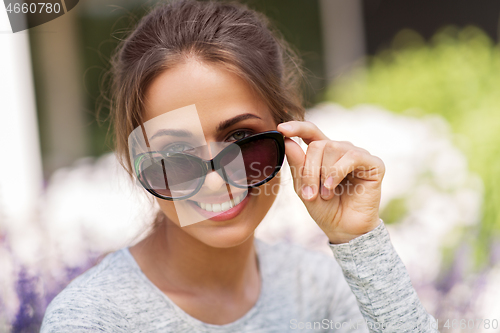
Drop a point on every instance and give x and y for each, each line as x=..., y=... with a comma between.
x=267, y=194
x=168, y=208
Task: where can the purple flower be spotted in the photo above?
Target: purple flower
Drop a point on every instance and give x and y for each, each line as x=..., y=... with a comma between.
x=29, y=316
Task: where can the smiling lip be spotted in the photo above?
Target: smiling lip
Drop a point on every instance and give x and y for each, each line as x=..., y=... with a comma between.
x=222, y=216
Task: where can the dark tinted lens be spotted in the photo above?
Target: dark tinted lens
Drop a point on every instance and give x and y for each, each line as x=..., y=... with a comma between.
x=259, y=160
x=174, y=176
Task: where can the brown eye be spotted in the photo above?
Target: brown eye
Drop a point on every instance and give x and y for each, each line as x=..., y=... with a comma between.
x=238, y=135
x=176, y=148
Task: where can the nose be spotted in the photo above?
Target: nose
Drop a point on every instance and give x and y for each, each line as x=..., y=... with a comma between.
x=213, y=181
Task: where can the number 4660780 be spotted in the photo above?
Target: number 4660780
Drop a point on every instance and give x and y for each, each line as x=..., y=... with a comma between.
x=34, y=8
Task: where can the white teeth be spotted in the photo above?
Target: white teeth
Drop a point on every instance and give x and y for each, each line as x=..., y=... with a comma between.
x=237, y=200
x=216, y=208
x=221, y=207
x=225, y=206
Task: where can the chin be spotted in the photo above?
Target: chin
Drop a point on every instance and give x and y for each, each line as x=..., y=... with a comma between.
x=225, y=236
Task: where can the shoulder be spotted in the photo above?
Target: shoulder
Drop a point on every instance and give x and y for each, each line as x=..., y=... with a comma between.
x=89, y=302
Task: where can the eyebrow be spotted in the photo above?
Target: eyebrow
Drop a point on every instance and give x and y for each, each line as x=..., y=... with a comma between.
x=230, y=122
x=172, y=132
x=222, y=126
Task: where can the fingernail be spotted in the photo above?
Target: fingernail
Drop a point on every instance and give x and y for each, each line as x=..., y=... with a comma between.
x=329, y=182
x=325, y=192
x=286, y=127
x=307, y=192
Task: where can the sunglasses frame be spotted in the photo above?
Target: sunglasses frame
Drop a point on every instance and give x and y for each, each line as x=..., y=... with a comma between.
x=214, y=164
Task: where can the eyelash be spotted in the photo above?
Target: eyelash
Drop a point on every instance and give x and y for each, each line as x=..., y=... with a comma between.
x=166, y=148
x=249, y=132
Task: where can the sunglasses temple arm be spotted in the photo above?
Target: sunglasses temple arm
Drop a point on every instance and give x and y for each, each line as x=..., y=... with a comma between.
x=164, y=172
x=146, y=140
x=227, y=186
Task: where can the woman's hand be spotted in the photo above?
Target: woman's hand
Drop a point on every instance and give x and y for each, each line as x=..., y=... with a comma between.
x=349, y=180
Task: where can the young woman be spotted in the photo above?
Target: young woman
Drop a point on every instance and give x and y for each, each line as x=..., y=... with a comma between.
x=201, y=269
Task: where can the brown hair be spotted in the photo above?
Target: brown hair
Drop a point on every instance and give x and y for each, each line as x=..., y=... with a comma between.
x=214, y=32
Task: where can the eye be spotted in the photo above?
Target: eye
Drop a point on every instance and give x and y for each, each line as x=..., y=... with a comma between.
x=238, y=135
x=177, y=148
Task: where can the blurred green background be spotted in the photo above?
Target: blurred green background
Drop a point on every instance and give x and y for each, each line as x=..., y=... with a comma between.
x=455, y=74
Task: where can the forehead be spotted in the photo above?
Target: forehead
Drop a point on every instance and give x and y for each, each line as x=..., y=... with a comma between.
x=217, y=93
x=182, y=123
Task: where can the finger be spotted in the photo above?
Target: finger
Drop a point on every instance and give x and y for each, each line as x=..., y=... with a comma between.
x=296, y=157
x=350, y=145
x=303, y=129
x=311, y=171
x=332, y=152
x=358, y=161
x=374, y=172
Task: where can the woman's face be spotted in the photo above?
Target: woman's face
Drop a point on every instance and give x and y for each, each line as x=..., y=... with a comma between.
x=221, y=99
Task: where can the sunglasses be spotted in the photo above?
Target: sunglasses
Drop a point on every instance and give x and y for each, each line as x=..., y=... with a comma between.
x=246, y=163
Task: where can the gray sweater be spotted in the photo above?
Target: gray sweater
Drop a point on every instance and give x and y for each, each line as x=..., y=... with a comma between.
x=366, y=288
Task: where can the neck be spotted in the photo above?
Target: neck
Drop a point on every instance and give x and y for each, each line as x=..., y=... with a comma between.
x=174, y=260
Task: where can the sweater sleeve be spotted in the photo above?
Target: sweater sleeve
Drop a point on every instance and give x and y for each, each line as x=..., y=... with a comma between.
x=381, y=284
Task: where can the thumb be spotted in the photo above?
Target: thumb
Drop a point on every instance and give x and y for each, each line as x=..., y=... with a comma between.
x=296, y=157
